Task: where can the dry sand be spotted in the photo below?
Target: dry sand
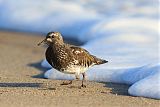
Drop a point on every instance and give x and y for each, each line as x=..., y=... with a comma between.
x=22, y=85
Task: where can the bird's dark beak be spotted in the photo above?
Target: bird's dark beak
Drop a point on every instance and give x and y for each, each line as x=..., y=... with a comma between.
x=43, y=41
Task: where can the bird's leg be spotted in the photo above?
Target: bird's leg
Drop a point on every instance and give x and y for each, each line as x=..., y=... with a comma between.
x=83, y=79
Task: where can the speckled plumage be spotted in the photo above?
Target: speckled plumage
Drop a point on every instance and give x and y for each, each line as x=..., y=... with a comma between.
x=68, y=58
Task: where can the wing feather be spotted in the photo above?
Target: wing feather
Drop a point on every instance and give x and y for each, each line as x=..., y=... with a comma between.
x=83, y=56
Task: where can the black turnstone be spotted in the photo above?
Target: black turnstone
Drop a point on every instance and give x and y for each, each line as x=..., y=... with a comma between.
x=68, y=58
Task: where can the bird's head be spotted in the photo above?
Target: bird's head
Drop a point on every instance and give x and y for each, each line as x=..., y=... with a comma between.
x=51, y=38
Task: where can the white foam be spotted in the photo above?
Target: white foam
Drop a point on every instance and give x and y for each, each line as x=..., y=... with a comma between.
x=147, y=87
x=45, y=64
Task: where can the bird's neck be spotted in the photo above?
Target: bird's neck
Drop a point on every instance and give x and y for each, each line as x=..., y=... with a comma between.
x=56, y=44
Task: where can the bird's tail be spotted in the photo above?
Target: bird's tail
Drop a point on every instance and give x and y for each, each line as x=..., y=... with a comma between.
x=99, y=61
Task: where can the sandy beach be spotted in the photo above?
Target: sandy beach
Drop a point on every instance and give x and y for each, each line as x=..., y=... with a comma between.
x=22, y=83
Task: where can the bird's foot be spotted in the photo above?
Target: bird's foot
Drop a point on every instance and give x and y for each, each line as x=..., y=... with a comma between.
x=84, y=86
x=66, y=83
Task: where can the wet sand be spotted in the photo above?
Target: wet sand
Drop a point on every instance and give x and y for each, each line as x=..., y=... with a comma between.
x=22, y=83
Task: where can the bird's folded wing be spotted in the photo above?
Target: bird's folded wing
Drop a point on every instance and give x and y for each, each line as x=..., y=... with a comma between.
x=83, y=57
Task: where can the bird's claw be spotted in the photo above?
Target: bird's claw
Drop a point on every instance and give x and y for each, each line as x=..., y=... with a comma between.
x=84, y=86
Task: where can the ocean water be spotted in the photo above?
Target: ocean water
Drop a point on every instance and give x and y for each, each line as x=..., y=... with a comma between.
x=126, y=33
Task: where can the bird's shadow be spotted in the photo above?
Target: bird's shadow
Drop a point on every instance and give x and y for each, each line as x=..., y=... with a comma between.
x=38, y=66
x=20, y=84
x=118, y=89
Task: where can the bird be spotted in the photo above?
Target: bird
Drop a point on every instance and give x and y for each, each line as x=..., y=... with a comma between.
x=67, y=58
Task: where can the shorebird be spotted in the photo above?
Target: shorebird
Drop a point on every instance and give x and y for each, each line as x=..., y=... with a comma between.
x=68, y=58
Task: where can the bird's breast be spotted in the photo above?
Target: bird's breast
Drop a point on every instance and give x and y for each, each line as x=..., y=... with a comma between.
x=58, y=57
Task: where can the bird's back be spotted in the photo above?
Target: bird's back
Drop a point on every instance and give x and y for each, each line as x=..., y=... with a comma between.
x=85, y=58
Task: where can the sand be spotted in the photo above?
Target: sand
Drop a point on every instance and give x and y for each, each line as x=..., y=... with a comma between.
x=22, y=83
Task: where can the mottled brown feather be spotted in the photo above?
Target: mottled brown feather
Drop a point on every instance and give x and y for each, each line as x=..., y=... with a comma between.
x=84, y=57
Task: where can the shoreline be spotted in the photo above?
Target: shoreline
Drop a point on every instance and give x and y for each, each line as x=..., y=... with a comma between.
x=21, y=82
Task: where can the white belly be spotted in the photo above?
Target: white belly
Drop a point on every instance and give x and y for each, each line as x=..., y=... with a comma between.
x=74, y=69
